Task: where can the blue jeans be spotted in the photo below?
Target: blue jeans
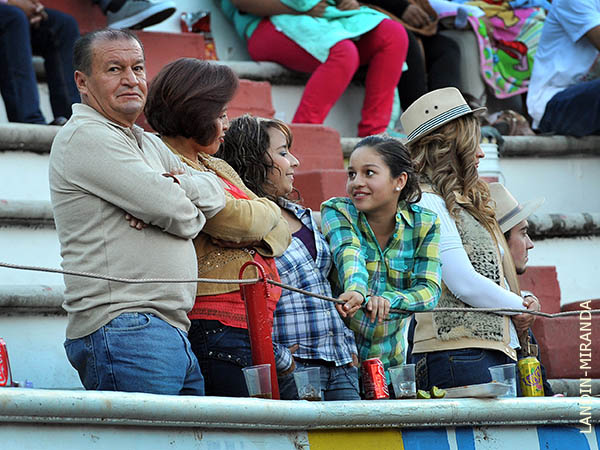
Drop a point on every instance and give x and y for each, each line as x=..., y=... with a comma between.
x=461, y=367
x=337, y=383
x=53, y=39
x=574, y=111
x=136, y=352
x=222, y=351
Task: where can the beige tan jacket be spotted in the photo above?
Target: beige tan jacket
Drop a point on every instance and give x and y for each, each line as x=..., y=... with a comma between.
x=257, y=219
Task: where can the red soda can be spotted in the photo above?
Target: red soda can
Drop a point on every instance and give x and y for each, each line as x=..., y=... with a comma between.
x=374, y=382
x=5, y=375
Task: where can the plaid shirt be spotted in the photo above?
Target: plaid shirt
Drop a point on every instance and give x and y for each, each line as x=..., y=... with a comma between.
x=407, y=272
x=312, y=323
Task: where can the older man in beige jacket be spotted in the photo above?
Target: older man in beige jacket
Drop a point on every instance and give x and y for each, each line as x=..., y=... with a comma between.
x=123, y=336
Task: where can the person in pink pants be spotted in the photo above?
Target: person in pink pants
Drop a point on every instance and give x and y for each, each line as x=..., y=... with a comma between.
x=383, y=49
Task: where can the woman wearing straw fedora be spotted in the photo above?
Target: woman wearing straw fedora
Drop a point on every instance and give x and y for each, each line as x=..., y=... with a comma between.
x=456, y=348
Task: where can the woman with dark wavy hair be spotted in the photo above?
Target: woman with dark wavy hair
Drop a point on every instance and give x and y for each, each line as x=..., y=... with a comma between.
x=259, y=149
x=453, y=348
x=385, y=248
x=187, y=105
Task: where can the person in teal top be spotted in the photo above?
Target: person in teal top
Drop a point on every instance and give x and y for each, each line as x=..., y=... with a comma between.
x=329, y=41
x=385, y=248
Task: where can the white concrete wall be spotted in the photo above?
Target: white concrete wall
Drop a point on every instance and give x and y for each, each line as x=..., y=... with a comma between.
x=32, y=247
x=577, y=262
x=569, y=184
x=36, y=352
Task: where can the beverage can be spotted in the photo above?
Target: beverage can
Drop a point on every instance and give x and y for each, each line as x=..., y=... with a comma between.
x=530, y=375
x=5, y=374
x=374, y=382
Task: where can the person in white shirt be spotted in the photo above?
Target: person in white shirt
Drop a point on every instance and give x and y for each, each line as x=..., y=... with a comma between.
x=453, y=349
x=564, y=92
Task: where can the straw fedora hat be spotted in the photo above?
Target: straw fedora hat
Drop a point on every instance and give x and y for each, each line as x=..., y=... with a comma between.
x=509, y=212
x=432, y=110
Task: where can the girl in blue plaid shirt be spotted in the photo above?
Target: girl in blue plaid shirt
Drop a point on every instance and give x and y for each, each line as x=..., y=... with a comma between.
x=385, y=248
x=307, y=331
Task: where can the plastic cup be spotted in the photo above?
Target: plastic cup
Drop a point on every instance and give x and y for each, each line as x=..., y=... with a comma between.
x=258, y=380
x=403, y=381
x=505, y=374
x=308, y=383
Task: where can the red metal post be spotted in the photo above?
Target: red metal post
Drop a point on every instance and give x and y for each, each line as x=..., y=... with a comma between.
x=260, y=322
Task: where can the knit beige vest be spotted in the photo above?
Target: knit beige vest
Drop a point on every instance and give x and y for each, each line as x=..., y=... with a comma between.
x=484, y=256
x=437, y=331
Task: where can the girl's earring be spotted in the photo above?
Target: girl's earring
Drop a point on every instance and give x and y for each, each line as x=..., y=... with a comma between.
x=397, y=189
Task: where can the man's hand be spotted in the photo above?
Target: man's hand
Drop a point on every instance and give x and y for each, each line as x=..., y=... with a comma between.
x=353, y=301
x=347, y=5
x=34, y=10
x=177, y=171
x=355, y=361
x=378, y=308
x=524, y=321
x=415, y=16
x=135, y=222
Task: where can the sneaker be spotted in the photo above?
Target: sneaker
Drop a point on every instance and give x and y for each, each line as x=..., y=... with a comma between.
x=138, y=14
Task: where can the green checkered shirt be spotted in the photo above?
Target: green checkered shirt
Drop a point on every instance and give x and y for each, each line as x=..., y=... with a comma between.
x=407, y=272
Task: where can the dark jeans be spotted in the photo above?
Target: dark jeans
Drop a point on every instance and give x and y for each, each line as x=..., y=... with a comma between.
x=574, y=111
x=453, y=368
x=222, y=351
x=548, y=392
x=53, y=39
x=437, y=68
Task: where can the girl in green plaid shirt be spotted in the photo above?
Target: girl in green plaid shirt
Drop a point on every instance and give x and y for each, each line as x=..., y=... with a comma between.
x=385, y=248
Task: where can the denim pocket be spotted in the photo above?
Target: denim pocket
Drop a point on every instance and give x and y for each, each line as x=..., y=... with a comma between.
x=129, y=322
x=80, y=353
x=351, y=374
x=467, y=355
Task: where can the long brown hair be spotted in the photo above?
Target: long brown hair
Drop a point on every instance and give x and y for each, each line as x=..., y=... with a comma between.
x=446, y=160
x=246, y=149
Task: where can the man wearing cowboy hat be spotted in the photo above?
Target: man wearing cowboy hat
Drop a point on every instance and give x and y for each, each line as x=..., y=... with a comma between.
x=512, y=218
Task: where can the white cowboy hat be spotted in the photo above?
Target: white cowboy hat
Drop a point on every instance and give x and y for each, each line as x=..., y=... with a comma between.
x=432, y=110
x=509, y=212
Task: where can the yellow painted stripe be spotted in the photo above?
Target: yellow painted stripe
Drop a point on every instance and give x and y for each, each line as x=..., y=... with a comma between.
x=356, y=440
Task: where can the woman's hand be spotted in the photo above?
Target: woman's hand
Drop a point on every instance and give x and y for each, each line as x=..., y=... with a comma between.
x=318, y=10
x=415, y=16
x=353, y=301
x=347, y=5
x=524, y=321
x=378, y=308
x=292, y=367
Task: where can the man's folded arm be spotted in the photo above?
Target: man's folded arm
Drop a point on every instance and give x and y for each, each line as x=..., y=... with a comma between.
x=118, y=175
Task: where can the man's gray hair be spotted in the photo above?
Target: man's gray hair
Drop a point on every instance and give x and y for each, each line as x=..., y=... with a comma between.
x=82, y=50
